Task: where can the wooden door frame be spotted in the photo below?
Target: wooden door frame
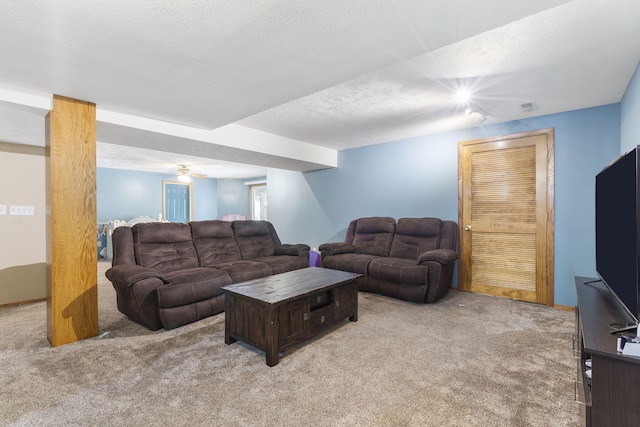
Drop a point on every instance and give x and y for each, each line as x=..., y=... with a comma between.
x=463, y=265
x=253, y=186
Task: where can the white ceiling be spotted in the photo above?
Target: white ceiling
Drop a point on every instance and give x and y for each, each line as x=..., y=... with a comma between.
x=230, y=88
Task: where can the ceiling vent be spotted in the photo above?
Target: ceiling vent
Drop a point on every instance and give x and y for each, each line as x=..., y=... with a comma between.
x=527, y=107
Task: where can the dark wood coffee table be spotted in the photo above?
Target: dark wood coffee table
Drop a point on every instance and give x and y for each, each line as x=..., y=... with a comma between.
x=274, y=312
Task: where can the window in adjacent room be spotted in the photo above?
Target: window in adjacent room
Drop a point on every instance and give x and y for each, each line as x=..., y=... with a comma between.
x=258, y=201
x=177, y=201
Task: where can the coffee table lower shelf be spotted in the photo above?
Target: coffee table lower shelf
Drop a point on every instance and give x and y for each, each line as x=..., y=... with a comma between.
x=276, y=312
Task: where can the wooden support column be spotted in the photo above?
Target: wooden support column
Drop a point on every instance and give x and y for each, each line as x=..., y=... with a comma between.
x=72, y=253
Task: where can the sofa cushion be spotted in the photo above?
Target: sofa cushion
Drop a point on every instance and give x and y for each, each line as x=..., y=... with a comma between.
x=241, y=271
x=398, y=270
x=205, y=282
x=164, y=246
x=355, y=263
x=414, y=236
x=214, y=242
x=254, y=239
x=194, y=293
x=283, y=263
x=373, y=235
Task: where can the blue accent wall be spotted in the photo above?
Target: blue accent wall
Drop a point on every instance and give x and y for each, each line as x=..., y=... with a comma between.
x=124, y=195
x=630, y=111
x=419, y=177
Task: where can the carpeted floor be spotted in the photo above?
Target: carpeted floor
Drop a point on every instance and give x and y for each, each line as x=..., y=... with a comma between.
x=467, y=360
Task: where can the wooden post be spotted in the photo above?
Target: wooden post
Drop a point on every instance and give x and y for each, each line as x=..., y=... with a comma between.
x=72, y=289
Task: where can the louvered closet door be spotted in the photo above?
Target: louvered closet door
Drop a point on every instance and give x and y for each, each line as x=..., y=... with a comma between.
x=506, y=216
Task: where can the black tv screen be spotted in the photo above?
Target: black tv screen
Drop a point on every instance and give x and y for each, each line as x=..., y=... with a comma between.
x=617, y=235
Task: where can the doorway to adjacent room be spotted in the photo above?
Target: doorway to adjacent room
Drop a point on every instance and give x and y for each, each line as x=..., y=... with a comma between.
x=258, y=201
x=177, y=201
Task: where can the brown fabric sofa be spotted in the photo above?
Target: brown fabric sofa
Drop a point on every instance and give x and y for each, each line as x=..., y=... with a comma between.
x=412, y=259
x=170, y=274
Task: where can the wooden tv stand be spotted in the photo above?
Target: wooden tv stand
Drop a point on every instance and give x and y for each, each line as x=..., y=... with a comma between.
x=612, y=397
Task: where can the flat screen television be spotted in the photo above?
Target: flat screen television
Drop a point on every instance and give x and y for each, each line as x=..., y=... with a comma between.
x=617, y=233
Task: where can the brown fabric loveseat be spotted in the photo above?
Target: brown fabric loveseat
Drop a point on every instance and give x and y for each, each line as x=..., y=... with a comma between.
x=170, y=274
x=412, y=259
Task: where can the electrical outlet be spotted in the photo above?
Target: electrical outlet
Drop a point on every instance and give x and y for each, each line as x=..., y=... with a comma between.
x=3, y=209
x=21, y=210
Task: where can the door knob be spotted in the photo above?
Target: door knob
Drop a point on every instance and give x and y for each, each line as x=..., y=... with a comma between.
x=468, y=227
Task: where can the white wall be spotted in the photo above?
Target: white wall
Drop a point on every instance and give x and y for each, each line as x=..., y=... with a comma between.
x=22, y=238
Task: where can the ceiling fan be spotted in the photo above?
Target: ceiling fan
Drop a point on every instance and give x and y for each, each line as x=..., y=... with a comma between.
x=184, y=174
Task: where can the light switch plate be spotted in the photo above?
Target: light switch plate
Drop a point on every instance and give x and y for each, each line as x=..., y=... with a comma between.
x=3, y=209
x=21, y=210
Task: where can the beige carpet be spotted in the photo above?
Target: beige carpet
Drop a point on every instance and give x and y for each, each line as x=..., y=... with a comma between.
x=468, y=360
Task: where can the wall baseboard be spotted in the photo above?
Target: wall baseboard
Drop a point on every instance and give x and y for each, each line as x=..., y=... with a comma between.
x=14, y=304
x=564, y=307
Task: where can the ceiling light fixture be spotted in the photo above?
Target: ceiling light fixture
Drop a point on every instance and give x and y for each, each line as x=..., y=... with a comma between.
x=463, y=96
x=475, y=108
x=183, y=177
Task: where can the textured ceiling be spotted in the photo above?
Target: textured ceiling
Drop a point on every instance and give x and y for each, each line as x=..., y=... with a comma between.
x=269, y=83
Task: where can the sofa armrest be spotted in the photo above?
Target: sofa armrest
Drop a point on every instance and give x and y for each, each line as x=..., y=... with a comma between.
x=440, y=264
x=124, y=276
x=336, y=248
x=442, y=256
x=291, y=249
